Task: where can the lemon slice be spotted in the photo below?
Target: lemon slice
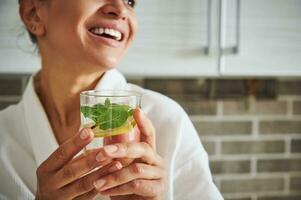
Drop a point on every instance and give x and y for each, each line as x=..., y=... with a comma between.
x=125, y=128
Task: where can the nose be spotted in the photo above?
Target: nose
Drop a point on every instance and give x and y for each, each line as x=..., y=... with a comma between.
x=115, y=9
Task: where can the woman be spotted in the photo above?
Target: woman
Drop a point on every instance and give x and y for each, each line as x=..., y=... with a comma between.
x=80, y=43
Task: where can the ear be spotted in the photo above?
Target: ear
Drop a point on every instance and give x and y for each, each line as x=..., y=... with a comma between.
x=30, y=13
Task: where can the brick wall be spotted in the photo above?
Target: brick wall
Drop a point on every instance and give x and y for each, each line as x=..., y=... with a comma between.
x=254, y=143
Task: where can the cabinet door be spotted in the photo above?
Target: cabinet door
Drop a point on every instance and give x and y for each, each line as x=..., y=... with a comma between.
x=266, y=35
x=16, y=52
x=173, y=38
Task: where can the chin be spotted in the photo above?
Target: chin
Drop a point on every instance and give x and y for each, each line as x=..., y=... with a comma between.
x=112, y=61
x=108, y=65
x=106, y=68
x=104, y=63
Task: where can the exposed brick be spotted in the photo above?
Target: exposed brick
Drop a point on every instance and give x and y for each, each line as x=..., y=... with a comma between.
x=10, y=86
x=136, y=81
x=230, y=167
x=199, y=107
x=279, y=165
x=262, y=107
x=239, y=198
x=295, y=184
x=5, y=104
x=213, y=88
x=252, y=185
x=296, y=146
x=238, y=88
x=297, y=108
x=253, y=147
x=282, y=197
x=187, y=97
x=280, y=127
x=223, y=128
x=209, y=147
x=177, y=86
x=225, y=87
x=289, y=87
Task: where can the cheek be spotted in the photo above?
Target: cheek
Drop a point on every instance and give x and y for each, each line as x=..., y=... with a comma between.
x=133, y=27
x=60, y=32
x=132, y=24
x=65, y=19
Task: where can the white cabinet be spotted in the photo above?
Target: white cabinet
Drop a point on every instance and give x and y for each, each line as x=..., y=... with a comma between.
x=190, y=38
x=16, y=52
x=266, y=35
x=175, y=38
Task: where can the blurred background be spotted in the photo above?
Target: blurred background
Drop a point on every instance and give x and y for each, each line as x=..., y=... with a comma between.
x=234, y=66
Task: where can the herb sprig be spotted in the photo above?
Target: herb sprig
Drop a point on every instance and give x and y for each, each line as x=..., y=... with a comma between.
x=108, y=115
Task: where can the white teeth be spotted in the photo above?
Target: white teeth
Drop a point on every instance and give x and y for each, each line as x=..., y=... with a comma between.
x=108, y=31
x=101, y=30
x=112, y=32
x=118, y=35
x=95, y=30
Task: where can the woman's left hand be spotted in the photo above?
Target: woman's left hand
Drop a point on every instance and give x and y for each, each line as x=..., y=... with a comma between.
x=144, y=178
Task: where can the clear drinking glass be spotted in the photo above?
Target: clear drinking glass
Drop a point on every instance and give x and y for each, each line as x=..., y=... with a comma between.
x=109, y=113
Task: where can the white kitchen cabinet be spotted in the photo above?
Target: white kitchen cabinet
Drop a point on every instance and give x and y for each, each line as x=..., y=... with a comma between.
x=191, y=38
x=261, y=38
x=175, y=38
x=17, y=54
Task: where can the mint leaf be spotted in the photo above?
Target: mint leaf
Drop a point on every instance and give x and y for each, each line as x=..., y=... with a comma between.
x=86, y=110
x=114, y=118
x=130, y=112
x=107, y=103
x=108, y=116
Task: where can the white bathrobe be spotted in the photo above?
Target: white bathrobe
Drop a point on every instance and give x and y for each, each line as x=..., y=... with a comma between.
x=27, y=139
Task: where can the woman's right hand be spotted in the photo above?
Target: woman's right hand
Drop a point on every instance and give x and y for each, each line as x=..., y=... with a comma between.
x=62, y=176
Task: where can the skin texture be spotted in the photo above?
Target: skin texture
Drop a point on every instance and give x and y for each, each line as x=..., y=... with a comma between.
x=73, y=61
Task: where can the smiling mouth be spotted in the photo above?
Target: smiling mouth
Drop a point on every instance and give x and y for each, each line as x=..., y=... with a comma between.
x=107, y=33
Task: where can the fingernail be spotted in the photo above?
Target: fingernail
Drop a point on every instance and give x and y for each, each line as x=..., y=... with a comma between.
x=84, y=134
x=115, y=167
x=111, y=148
x=139, y=110
x=100, y=157
x=99, y=183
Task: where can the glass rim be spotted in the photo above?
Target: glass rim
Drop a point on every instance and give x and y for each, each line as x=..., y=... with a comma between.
x=110, y=93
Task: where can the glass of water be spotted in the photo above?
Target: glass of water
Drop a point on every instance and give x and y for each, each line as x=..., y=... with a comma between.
x=109, y=113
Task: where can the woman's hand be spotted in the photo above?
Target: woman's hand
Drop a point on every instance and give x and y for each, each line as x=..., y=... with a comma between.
x=142, y=179
x=62, y=177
